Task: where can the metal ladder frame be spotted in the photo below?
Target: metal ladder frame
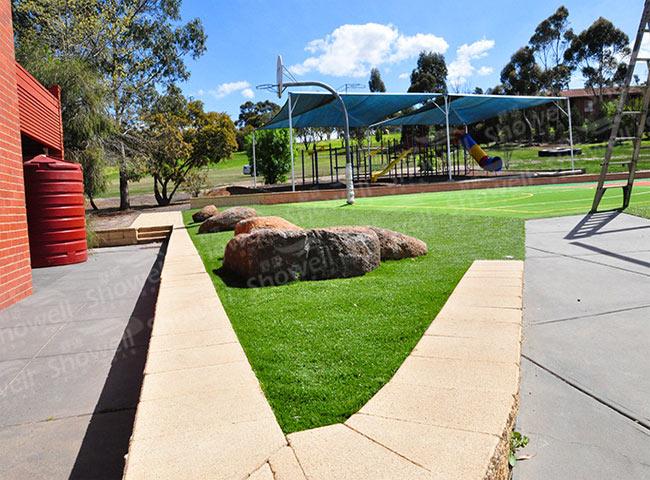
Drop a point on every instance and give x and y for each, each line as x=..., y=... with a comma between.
x=644, y=27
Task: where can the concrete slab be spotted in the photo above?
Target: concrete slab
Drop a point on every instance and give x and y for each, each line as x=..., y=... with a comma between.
x=574, y=436
x=483, y=411
x=204, y=338
x=68, y=405
x=586, y=398
x=204, y=356
x=55, y=449
x=338, y=452
x=459, y=313
x=167, y=416
x=500, y=349
x=459, y=374
x=262, y=473
x=616, y=369
x=47, y=384
x=285, y=466
x=228, y=376
x=480, y=329
x=224, y=451
x=23, y=342
x=448, y=454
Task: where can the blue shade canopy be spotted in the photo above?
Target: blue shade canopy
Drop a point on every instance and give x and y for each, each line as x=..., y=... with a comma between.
x=315, y=109
x=466, y=110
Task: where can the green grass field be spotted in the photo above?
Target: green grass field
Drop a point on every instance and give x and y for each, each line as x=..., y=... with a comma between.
x=322, y=349
x=514, y=202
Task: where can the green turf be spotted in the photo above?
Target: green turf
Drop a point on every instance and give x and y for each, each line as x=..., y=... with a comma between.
x=322, y=349
x=514, y=202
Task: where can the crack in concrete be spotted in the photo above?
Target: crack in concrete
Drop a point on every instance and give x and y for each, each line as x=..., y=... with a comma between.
x=591, y=395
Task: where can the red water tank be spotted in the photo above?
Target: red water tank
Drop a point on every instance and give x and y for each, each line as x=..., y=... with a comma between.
x=54, y=192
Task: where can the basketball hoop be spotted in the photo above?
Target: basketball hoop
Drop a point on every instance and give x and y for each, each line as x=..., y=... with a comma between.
x=279, y=74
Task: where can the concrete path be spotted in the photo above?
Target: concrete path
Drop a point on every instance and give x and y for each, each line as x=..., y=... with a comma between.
x=585, y=393
x=71, y=362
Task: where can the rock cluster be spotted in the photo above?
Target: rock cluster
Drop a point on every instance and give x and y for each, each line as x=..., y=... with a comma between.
x=273, y=251
x=205, y=213
x=226, y=220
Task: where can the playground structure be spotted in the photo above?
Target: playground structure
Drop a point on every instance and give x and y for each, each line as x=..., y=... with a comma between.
x=445, y=156
x=387, y=161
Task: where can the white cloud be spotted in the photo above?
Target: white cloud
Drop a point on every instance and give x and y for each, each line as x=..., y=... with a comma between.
x=403, y=75
x=247, y=93
x=352, y=50
x=200, y=92
x=461, y=68
x=230, y=87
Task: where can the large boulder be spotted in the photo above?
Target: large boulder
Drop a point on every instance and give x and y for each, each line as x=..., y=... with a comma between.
x=394, y=245
x=340, y=254
x=275, y=257
x=205, y=213
x=259, y=223
x=226, y=220
x=267, y=257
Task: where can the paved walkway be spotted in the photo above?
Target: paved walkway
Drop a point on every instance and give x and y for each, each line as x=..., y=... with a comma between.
x=202, y=413
x=585, y=394
x=71, y=361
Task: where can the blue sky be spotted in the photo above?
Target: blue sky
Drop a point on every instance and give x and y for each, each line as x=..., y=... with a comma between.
x=339, y=41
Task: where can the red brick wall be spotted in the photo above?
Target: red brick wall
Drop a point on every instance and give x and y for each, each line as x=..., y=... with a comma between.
x=15, y=270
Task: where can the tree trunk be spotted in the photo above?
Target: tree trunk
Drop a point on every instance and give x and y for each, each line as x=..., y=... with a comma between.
x=124, y=180
x=530, y=127
x=161, y=197
x=92, y=203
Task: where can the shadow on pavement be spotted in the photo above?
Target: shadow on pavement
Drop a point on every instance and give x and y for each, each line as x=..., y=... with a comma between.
x=106, y=441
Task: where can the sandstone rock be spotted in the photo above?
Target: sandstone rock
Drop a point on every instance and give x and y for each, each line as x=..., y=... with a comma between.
x=267, y=257
x=226, y=220
x=274, y=257
x=205, y=213
x=394, y=245
x=258, y=223
x=340, y=254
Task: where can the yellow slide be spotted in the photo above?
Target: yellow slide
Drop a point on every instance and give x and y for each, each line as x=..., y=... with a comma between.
x=375, y=176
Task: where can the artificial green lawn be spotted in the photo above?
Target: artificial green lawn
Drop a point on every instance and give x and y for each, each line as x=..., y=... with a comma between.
x=322, y=349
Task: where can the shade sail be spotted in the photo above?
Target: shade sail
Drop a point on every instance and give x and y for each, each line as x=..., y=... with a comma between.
x=315, y=109
x=465, y=110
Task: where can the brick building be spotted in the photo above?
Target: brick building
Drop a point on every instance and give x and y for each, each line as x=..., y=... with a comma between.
x=584, y=101
x=30, y=124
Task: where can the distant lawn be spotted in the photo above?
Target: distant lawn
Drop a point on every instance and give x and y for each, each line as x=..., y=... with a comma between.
x=322, y=349
x=225, y=172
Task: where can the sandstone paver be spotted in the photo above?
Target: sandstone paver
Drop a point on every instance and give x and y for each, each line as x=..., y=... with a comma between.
x=449, y=454
x=285, y=466
x=338, y=452
x=483, y=411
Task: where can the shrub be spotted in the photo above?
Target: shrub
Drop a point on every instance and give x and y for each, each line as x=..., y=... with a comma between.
x=272, y=154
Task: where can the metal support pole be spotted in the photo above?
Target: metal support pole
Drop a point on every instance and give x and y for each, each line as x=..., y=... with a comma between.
x=568, y=112
x=349, y=181
x=448, y=138
x=254, y=163
x=293, y=169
